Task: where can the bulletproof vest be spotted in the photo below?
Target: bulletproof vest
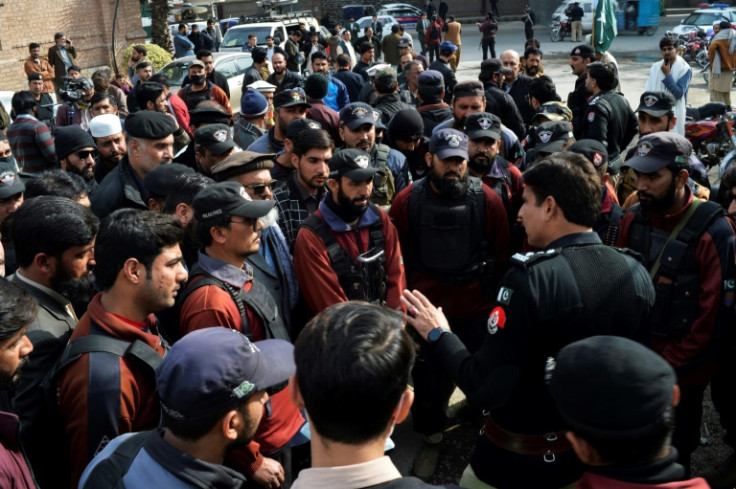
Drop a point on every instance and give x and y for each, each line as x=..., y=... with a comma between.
x=676, y=283
x=193, y=98
x=448, y=236
x=360, y=282
x=384, y=187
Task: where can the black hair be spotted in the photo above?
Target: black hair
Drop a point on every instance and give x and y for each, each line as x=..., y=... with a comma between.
x=33, y=45
x=145, y=234
x=184, y=188
x=572, y=181
x=143, y=64
x=74, y=68
x=395, y=28
x=385, y=84
x=318, y=55
x=667, y=41
x=58, y=183
x=161, y=79
x=352, y=367
x=140, y=49
x=343, y=60
x=543, y=89
x=51, y=225
x=308, y=139
x=181, y=26
x=203, y=235
x=258, y=55
x=148, y=92
x=533, y=50
x=23, y=102
x=603, y=73
x=203, y=53
x=17, y=309
x=100, y=96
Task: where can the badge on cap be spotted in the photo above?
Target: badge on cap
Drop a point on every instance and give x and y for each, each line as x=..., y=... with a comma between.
x=545, y=136
x=313, y=125
x=650, y=100
x=644, y=149
x=362, y=161
x=496, y=320
x=597, y=159
x=244, y=194
x=220, y=135
x=591, y=116
x=7, y=178
x=359, y=112
x=453, y=140
x=296, y=96
x=376, y=115
x=243, y=389
x=485, y=123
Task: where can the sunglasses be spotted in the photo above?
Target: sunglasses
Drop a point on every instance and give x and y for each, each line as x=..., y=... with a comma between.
x=84, y=154
x=260, y=188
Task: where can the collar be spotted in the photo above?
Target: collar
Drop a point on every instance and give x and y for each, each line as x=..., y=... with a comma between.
x=672, y=218
x=338, y=225
x=303, y=194
x=495, y=170
x=354, y=476
x=584, y=238
x=63, y=301
x=658, y=472
x=230, y=274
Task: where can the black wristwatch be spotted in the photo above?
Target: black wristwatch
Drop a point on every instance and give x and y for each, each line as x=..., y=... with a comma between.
x=435, y=334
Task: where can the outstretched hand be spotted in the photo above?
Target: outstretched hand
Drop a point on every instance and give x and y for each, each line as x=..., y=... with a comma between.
x=421, y=313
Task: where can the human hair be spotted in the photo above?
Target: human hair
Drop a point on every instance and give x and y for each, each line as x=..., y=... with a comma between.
x=572, y=181
x=33, y=45
x=352, y=367
x=143, y=65
x=161, y=79
x=431, y=94
x=51, y=225
x=603, y=73
x=194, y=429
x=203, y=53
x=296, y=33
x=628, y=451
x=543, y=89
x=140, y=49
x=395, y=28
x=308, y=139
x=366, y=46
x=203, y=235
x=100, y=81
x=258, y=55
x=385, y=84
x=58, y=183
x=18, y=309
x=182, y=25
x=100, y=96
x=343, y=60
x=184, y=188
x=58, y=36
x=148, y=92
x=145, y=234
x=74, y=68
x=533, y=50
x=23, y=102
x=668, y=41
x=251, y=36
x=318, y=55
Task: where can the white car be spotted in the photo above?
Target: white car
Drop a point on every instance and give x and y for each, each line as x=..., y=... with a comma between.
x=232, y=65
x=386, y=22
x=704, y=18
x=405, y=14
x=587, y=6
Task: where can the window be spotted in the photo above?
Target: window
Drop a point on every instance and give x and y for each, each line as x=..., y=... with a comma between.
x=227, y=68
x=242, y=63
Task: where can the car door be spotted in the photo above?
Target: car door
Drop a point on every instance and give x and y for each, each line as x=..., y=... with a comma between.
x=229, y=70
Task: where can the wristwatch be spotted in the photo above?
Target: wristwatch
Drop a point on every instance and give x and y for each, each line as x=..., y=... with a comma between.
x=435, y=334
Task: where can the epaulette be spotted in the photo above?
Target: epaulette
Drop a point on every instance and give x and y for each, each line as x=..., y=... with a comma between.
x=526, y=260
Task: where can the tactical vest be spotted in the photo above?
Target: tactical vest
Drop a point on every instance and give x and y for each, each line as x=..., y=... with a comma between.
x=448, y=237
x=503, y=187
x=192, y=99
x=360, y=282
x=384, y=187
x=676, y=283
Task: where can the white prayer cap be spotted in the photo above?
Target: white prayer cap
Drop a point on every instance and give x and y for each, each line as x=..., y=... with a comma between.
x=262, y=86
x=376, y=68
x=105, y=125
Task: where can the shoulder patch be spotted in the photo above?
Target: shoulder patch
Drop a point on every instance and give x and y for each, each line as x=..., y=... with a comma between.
x=496, y=320
x=504, y=295
x=591, y=116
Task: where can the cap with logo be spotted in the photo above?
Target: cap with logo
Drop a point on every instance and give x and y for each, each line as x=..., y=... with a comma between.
x=593, y=150
x=657, y=150
x=214, y=137
x=352, y=163
x=298, y=125
x=553, y=111
x=35, y=77
x=212, y=370
x=356, y=114
x=228, y=199
x=240, y=163
x=207, y=115
x=552, y=136
x=584, y=51
x=290, y=98
x=656, y=104
x=483, y=125
x=448, y=143
x=10, y=182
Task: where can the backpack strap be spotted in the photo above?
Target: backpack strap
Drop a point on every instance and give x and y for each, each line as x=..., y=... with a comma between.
x=382, y=153
x=614, y=224
x=110, y=471
x=339, y=258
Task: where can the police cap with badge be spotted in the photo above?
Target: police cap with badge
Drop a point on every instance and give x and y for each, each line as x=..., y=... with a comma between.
x=10, y=183
x=551, y=136
x=449, y=143
x=214, y=137
x=290, y=98
x=656, y=104
x=356, y=114
x=658, y=150
x=483, y=125
x=593, y=150
x=352, y=163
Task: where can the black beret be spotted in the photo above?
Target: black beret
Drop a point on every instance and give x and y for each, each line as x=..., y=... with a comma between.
x=146, y=124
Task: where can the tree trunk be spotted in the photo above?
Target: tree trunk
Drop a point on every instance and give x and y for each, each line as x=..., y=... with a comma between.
x=160, y=25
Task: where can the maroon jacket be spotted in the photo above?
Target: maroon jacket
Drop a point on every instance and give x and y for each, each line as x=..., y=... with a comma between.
x=14, y=470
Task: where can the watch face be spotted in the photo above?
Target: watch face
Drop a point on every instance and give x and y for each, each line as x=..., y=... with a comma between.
x=435, y=334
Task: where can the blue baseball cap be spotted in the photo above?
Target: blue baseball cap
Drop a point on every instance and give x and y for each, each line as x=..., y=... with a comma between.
x=448, y=46
x=447, y=143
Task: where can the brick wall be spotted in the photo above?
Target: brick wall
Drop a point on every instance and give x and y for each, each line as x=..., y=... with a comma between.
x=88, y=23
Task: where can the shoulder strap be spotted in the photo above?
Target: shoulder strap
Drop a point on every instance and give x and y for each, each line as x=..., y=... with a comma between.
x=614, y=224
x=339, y=258
x=109, y=472
x=382, y=153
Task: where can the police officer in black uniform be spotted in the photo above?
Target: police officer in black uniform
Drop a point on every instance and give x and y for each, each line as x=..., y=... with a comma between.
x=609, y=117
x=574, y=287
x=580, y=57
x=498, y=102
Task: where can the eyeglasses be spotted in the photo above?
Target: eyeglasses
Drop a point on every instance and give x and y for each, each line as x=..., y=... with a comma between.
x=84, y=154
x=260, y=188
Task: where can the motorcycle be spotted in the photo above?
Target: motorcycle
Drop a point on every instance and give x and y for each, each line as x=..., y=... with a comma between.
x=560, y=29
x=710, y=129
x=693, y=47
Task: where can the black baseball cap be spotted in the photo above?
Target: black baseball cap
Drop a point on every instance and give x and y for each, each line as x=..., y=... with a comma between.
x=551, y=136
x=493, y=65
x=593, y=150
x=447, y=143
x=431, y=78
x=659, y=149
x=290, y=98
x=356, y=114
x=10, y=182
x=352, y=163
x=483, y=125
x=228, y=199
x=208, y=115
x=656, y=104
x=212, y=370
x=215, y=137
x=298, y=125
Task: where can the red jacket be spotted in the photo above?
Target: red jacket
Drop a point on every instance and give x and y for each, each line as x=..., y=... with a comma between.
x=179, y=109
x=595, y=481
x=14, y=470
x=101, y=398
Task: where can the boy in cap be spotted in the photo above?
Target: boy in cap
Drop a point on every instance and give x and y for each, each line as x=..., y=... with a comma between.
x=289, y=105
x=441, y=64
x=77, y=153
x=107, y=132
x=619, y=399
x=213, y=385
x=212, y=144
x=688, y=328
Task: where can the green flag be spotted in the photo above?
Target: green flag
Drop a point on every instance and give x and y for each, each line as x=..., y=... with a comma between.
x=604, y=25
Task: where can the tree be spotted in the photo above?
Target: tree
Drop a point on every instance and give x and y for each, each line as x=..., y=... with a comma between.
x=159, y=24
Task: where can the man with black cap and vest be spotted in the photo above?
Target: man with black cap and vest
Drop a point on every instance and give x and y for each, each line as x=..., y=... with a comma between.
x=618, y=399
x=349, y=249
x=547, y=300
x=207, y=113
x=687, y=246
x=212, y=144
x=224, y=292
x=107, y=132
x=548, y=137
x=288, y=105
x=580, y=57
x=430, y=94
x=213, y=385
x=44, y=102
x=150, y=143
x=77, y=152
x=498, y=102
x=455, y=236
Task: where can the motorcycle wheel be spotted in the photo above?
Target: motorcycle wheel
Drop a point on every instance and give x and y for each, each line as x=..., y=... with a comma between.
x=702, y=58
x=554, y=34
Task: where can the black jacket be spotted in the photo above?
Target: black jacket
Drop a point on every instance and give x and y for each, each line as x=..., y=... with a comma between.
x=291, y=80
x=449, y=76
x=121, y=188
x=519, y=92
x=577, y=101
x=609, y=119
x=502, y=105
x=352, y=81
x=434, y=114
x=389, y=105
x=215, y=77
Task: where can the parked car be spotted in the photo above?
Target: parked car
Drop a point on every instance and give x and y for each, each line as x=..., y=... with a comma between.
x=385, y=20
x=404, y=13
x=237, y=35
x=704, y=18
x=357, y=11
x=587, y=5
x=232, y=65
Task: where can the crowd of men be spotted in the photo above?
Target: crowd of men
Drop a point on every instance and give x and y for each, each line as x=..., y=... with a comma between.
x=196, y=302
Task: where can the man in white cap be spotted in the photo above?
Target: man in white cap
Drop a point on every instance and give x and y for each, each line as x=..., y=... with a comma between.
x=107, y=131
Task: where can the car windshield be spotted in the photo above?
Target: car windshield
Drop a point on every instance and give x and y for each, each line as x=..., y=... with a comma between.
x=176, y=72
x=703, y=18
x=237, y=37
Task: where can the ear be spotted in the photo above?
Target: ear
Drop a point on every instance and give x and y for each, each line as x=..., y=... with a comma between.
x=153, y=205
x=45, y=263
x=294, y=159
x=134, y=271
x=673, y=122
x=295, y=393
x=682, y=177
x=428, y=159
x=333, y=185
x=404, y=406
x=288, y=145
x=63, y=163
x=230, y=425
x=342, y=133
x=217, y=235
x=134, y=147
x=550, y=207
x=184, y=213
x=675, y=395
x=582, y=448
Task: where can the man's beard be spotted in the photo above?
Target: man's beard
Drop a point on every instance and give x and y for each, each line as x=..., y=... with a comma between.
x=11, y=378
x=77, y=290
x=350, y=204
x=270, y=219
x=650, y=203
x=448, y=188
x=112, y=160
x=532, y=70
x=480, y=162
x=87, y=173
x=279, y=70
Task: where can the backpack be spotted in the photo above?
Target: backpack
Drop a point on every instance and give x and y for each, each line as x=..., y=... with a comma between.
x=384, y=187
x=109, y=472
x=435, y=34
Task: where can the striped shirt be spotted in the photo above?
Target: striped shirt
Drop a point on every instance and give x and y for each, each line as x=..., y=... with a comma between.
x=31, y=142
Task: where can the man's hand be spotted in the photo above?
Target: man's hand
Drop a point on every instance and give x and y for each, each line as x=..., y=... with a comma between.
x=421, y=314
x=666, y=68
x=270, y=474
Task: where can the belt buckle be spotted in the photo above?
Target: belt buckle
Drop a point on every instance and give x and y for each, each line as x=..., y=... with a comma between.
x=549, y=457
x=551, y=436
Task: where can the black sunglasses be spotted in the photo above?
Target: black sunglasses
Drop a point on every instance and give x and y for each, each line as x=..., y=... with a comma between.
x=259, y=188
x=84, y=154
